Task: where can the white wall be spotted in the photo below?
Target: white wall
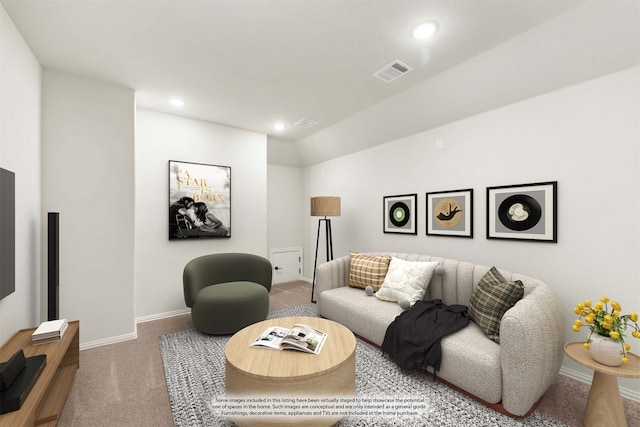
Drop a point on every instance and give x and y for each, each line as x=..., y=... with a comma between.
x=285, y=210
x=159, y=262
x=88, y=176
x=20, y=153
x=586, y=137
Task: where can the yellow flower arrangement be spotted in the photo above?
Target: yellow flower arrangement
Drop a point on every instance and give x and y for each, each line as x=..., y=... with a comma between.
x=608, y=323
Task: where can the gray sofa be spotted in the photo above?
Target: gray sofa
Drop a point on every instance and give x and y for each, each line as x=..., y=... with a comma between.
x=511, y=376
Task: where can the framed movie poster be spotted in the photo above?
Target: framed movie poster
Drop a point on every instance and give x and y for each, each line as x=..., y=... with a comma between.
x=199, y=200
x=523, y=212
x=450, y=213
x=400, y=214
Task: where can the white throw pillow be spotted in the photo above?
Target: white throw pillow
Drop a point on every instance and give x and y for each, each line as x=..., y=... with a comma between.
x=406, y=280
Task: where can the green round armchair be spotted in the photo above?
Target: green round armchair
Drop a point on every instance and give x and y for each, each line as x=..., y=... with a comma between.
x=227, y=291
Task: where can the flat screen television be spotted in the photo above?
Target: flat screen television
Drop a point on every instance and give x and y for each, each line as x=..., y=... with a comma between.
x=7, y=233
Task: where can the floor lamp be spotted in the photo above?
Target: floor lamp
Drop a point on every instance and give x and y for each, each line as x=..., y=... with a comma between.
x=324, y=206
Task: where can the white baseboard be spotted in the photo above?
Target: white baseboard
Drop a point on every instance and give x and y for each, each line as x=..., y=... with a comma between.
x=107, y=341
x=586, y=378
x=133, y=335
x=165, y=315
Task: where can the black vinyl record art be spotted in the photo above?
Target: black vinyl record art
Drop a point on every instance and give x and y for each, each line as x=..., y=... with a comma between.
x=399, y=214
x=523, y=212
x=519, y=212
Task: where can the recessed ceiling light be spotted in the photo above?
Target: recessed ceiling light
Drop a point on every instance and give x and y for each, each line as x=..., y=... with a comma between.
x=278, y=126
x=176, y=102
x=425, y=30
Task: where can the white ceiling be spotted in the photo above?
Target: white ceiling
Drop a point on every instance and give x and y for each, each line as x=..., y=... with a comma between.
x=250, y=63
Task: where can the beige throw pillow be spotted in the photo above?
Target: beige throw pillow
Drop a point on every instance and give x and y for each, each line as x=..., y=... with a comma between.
x=367, y=270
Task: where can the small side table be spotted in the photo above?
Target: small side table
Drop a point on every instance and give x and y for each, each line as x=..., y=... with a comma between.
x=604, y=406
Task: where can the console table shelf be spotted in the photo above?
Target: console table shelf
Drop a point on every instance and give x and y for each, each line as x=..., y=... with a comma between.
x=48, y=395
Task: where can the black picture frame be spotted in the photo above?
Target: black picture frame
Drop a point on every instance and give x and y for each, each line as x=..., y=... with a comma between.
x=400, y=214
x=523, y=212
x=450, y=213
x=199, y=201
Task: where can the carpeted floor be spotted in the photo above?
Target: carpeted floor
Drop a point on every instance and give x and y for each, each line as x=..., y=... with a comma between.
x=123, y=384
x=194, y=370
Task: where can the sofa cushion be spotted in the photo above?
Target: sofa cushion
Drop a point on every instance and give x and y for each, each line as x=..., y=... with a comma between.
x=364, y=315
x=367, y=270
x=471, y=361
x=406, y=280
x=493, y=296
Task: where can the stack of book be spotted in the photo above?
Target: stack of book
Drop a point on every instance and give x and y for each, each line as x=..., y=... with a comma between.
x=49, y=331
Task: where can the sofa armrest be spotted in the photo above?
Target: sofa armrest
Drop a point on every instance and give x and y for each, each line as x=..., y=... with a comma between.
x=531, y=348
x=332, y=274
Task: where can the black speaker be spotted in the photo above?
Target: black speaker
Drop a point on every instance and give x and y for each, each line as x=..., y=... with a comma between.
x=7, y=233
x=53, y=264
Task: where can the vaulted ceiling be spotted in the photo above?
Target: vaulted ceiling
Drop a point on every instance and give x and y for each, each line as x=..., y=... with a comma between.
x=251, y=63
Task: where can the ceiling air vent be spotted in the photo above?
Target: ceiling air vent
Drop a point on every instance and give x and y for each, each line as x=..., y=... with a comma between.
x=306, y=123
x=392, y=71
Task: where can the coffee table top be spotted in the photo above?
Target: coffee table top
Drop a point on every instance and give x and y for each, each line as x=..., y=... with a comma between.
x=577, y=352
x=264, y=362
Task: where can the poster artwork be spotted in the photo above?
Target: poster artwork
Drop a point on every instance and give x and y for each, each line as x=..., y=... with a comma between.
x=450, y=213
x=199, y=200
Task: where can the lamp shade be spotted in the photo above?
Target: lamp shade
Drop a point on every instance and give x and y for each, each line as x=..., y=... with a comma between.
x=325, y=206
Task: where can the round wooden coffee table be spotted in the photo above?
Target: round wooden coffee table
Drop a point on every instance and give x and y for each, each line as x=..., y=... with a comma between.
x=604, y=405
x=259, y=371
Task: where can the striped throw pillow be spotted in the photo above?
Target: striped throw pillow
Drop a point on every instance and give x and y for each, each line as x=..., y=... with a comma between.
x=367, y=270
x=493, y=296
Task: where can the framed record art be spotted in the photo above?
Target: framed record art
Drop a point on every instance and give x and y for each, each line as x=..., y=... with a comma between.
x=199, y=200
x=523, y=212
x=400, y=214
x=450, y=213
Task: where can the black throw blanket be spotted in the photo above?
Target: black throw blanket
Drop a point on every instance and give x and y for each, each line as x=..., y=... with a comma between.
x=413, y=338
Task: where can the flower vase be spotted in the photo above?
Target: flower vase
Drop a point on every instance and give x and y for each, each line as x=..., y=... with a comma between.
x=605, y=350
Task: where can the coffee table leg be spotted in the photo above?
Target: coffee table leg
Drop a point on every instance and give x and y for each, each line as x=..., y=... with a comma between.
x=604, y=406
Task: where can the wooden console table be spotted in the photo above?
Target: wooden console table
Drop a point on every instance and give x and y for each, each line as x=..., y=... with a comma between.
x=46, y=399
x=604, y=405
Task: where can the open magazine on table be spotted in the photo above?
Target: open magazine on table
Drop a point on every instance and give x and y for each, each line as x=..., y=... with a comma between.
x=300, y=337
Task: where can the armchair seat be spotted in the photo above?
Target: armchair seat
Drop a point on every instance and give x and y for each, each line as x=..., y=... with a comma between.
x=227, y=291
x=228, y=307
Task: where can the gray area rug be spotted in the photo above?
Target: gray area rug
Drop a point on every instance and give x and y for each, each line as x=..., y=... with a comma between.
x=195, y=373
